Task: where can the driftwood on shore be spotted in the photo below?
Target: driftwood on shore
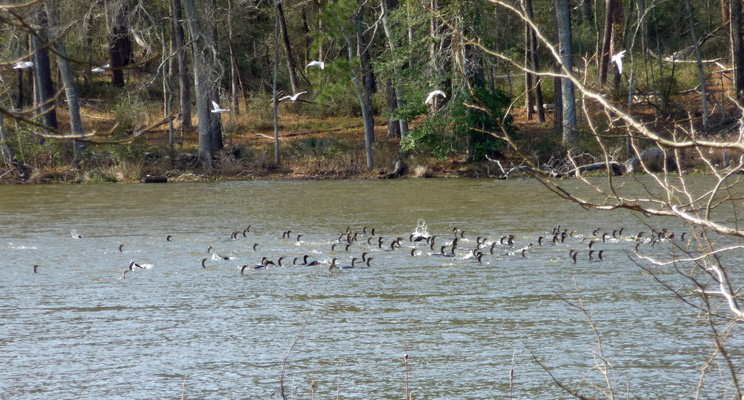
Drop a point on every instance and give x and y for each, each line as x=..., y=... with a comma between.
x=400, y=169
x=615, y=167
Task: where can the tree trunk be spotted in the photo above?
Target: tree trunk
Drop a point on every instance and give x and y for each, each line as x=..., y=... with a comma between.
x=68, y=79
x=604, y=57
x=558, y=92
x=570, y=132
x=369, y=86
x=737, y=51
x=120, y=43
x=724, y=12
x=277, y=154
x=234, y=72
x=701, y=73
x=168, y=109
x=183, y=74
x=529, y=99
x=628, y=23
x=19, y=95
x=43, y=73
x=393, y=128
x=402, y=129
x=202, y=65
x=365, y=98
x=7, y=152
x=307, y=38
x=88, y=29
x=215, y=121
x=535, y=63
x=441, y=62
x=587, y=17
x=618, y=35
x=287, y=48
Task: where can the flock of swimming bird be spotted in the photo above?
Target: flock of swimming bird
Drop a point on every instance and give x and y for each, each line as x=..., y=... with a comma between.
x=361, y=246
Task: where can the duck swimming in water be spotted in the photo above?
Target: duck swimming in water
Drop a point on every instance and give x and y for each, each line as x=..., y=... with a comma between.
x=353, y=264
x=133, y=264
x=332, y=266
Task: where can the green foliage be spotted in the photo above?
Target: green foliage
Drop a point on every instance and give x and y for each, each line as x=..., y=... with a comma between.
x=337, y=94
x=130, y=111
x=459, y=126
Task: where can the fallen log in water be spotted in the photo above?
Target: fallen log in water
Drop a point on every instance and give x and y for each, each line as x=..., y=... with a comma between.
x=154, y=179
x=615, y=168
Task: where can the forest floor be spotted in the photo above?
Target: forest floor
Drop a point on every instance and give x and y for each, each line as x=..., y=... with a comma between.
x=311, y=147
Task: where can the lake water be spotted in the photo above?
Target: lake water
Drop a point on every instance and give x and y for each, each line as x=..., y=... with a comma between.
x=76, y=329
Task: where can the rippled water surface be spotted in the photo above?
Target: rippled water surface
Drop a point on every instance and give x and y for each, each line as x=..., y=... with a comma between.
x=76, y=329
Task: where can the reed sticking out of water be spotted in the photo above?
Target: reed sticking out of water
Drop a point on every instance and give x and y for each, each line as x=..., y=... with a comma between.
x=183, y=386
x=405, y=362
x=338, y=382
x=286, y=357
x=511, y=376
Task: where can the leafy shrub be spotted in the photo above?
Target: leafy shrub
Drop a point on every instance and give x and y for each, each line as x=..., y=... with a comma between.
x=130, y=111
x=456, y=127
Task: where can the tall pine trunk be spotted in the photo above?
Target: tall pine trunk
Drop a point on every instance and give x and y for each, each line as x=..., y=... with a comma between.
x=529, y=95
x=43, y=72
x=201, y=64
x=604, y=56
x=215, y=121
x=701, y=73
x=395, y=99
x=737, y=51
x=287, y=49
x=120, y=42
x=557, y=87
x=535, y=63
x=68, y=79
x=183, y=74
x=365, y=97
x=570, y=132
x=234, y=72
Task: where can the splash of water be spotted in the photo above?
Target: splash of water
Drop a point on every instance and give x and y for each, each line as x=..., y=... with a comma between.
x=421, y=229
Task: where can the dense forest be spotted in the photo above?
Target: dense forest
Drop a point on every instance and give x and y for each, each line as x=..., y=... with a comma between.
x=128, y=87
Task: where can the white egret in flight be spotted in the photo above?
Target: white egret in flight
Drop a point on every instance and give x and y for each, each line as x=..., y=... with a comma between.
x=431, y=95
x=23, y=65
x=292, y=98
x=217, y=109
x=618, y=60
x=316, y=63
